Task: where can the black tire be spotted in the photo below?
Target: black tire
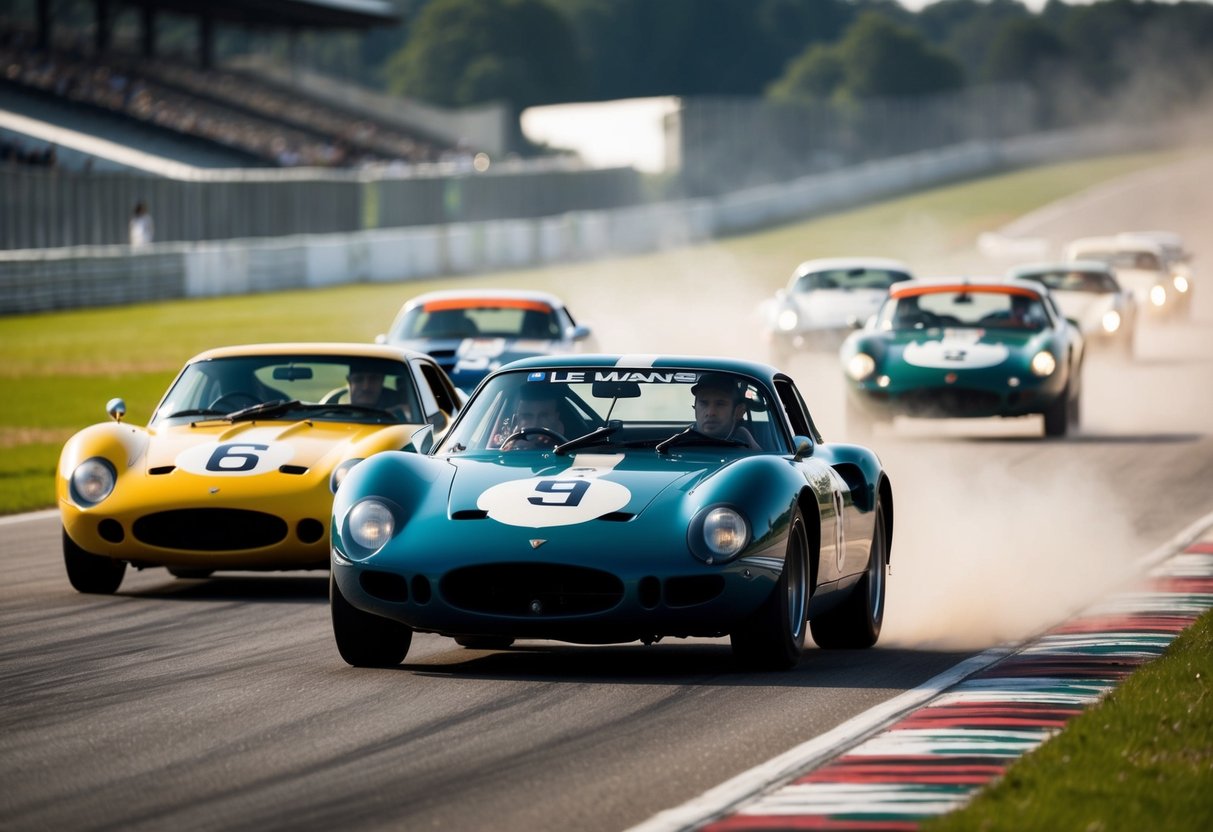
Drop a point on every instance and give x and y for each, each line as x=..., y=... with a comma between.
x=363, y=639
x=187, y=572
x=93, y=574
x=773, y=638
x=484, y=642
x=856, y=623
x=1057, y=415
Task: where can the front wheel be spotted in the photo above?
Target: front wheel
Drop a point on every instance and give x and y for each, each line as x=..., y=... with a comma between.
x=1057, y=416
x=363, y=639
x=856, y=623
x=773, y=638
x=93, y=574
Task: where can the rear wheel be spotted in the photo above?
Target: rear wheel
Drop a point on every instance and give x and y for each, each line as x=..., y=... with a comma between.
x=773, y=638
x=363, y=639
x=856, y=623
x=94, y=574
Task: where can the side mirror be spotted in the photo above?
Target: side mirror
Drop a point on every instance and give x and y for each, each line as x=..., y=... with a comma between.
x=580, y=332
x=381, y=338
x=803, y=446
x=116, y=408
x=422, y=440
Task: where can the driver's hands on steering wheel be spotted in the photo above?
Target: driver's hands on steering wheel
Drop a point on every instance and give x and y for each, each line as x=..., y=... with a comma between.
x=532, y=439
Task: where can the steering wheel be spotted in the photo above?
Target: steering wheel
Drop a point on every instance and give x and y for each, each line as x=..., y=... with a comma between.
x=520, y=435
x=234, y=401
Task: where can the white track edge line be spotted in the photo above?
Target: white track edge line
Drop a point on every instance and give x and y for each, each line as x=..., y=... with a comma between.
x=13, y=519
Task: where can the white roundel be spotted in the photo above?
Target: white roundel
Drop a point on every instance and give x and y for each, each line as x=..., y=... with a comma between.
x=553, y=501
x=240, y=459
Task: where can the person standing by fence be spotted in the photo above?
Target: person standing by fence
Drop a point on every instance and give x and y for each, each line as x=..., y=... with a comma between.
x=141, y=227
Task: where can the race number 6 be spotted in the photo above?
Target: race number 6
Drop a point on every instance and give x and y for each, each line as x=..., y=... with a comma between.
x=235, y=457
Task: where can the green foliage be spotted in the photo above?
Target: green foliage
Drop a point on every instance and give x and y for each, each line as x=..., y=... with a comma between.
x=1025, y=50
x=1140, y=759
x=464, y=52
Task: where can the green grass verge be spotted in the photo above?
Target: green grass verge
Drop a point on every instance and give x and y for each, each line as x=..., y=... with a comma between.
x=67, y=365
x=1140, y=759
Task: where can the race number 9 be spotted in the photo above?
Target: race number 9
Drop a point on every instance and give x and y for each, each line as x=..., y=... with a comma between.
x=563, y=492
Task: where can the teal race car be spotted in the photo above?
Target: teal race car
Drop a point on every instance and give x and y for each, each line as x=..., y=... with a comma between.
x=617, y=519
x=965, y=348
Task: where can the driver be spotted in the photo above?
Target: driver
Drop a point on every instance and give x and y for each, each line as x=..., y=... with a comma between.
x=367, y=388
x=719, y=408
x=537, y=408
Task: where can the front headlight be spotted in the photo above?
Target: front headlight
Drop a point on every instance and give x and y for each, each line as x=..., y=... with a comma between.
x=1110, y=321
x=1180, y=282
x=1158, y=295
x=371, y=524
x=339, y=473
x=787, y=320
x=725, y=533
x=93, y=481
x=1043, y=363
x=860, y=366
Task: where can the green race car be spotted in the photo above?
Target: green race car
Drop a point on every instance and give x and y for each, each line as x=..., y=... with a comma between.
x=627, y=515
x=965, y=348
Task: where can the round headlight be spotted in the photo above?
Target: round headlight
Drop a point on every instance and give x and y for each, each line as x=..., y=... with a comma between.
x=1043, y=363
x=371, y=525
x=339, y=473
x=1180, y=282
x=1111, y=321
x=93, y=481
x=861, y=366
x=1158, y=295
x=725, y=532
x=787, y=320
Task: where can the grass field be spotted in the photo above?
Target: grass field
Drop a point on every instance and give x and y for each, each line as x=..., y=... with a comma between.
x=1140, y=759
x=65, y=366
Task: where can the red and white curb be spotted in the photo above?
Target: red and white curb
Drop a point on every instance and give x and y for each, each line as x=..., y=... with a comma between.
x=934, y=757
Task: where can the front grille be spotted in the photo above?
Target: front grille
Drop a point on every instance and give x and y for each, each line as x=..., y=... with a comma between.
x=210, y=529
x=950, y=400
x=531, y=589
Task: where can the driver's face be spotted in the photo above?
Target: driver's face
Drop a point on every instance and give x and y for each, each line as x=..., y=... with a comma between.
x=365, y=388
x=715, y=412
x=535, y=415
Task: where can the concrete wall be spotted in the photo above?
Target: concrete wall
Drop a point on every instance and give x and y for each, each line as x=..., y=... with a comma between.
x=49, y=279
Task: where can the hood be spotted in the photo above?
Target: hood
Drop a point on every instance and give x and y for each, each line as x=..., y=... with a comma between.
x=252, y=448
x=823, y=308
x=1087, y=308
x=1138, y=281
x=958, y=349
x=583, y=486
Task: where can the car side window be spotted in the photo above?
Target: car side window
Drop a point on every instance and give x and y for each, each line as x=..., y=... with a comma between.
x=793, y=406
x=437, y=393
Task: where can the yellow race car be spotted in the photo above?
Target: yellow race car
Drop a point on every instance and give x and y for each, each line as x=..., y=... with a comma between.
x=238, y=465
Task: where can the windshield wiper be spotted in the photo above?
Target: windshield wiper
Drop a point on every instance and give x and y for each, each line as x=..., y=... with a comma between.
x=591, y=438
x=263, y=409
x=195, y=412
x=690, y=436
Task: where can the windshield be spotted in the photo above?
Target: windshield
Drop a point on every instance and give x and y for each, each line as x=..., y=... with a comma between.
x=350, y=388
x=984, y=307
x=1124, y=259
x=857, y=278
x=505, y=318
x=1065, y=280
x=613, y=409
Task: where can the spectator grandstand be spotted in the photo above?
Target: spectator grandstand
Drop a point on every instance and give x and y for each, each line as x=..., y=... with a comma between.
x=236, y=110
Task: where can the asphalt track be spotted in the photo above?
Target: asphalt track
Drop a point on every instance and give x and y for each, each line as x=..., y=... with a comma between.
x=222, y=704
